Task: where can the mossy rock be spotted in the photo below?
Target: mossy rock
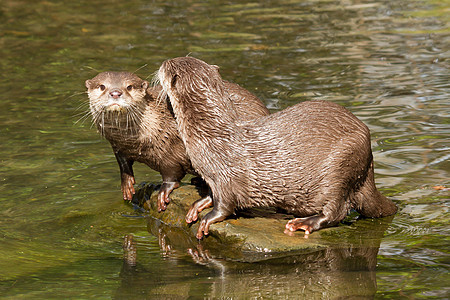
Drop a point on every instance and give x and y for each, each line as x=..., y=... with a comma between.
x=251, y=235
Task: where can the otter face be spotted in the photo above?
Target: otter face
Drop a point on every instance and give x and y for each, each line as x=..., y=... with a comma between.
x=117, y=100
x=115, y=92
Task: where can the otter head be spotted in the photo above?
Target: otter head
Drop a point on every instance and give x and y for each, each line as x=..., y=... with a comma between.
x=186, y=79
x=115, y=92
x=198, y=96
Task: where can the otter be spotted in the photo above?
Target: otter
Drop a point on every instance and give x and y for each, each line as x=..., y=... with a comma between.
x=126, y=112
x=313, y=160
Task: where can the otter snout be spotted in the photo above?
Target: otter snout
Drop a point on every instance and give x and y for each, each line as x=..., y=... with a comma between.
x=115, y=93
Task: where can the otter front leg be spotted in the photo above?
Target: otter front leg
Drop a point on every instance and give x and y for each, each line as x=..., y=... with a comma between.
x=126, y=175
x=127, y=182
x=197, y=207
x=218, y=214
x=171, y=176
x=163, y=197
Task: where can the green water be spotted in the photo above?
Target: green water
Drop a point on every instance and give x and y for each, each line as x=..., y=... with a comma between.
x=61, y=215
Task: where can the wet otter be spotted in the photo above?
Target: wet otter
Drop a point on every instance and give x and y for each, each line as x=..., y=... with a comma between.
x=313, y=159
x=125, y=111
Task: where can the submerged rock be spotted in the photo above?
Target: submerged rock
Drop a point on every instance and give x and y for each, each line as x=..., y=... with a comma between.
x=252, y=235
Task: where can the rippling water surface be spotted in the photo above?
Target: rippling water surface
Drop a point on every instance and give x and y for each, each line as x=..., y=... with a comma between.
x=61, y=215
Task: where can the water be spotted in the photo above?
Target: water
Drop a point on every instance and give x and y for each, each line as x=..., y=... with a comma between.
x=61, y=215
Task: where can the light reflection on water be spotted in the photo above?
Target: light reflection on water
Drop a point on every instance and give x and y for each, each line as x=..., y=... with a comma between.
x=61, y=218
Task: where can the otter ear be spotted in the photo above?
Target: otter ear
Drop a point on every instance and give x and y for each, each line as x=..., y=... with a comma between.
x=216, y=67
x=88, y=83
x=145, y=84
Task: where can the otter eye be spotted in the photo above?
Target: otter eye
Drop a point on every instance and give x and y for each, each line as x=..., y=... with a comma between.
x=130, y=87
x=102, y=87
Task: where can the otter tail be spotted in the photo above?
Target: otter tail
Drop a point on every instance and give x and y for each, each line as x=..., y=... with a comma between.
x=369, y=202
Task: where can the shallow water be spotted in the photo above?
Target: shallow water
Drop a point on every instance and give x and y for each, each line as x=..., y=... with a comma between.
x=61, y=215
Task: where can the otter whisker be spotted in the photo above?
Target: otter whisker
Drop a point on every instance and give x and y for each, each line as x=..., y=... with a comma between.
x=134, y=118
x=75, y=94
x=155, y=79
x=162, y=96
x=127, y=121
x=91, y=68
x=103, y=124
x=140, y=68
x=83, y=117
x=117, y=119
x=81, y=112
x=82, y=106
x=132, y=122
x=95, y=117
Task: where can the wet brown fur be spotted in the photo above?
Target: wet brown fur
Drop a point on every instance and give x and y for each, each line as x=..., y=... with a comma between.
x=142, y=129
x=313, y=159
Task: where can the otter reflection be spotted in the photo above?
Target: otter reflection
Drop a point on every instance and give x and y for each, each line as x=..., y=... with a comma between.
x=344, y=270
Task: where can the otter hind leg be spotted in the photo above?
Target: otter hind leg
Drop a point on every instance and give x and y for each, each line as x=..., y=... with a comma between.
x=331, y=205
x=369, y=202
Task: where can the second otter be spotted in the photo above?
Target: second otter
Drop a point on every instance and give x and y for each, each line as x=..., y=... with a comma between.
x=125, y=110
x=313, y=159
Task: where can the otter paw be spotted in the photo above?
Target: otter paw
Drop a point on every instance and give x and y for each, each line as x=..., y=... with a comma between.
x=192, y=215
x=163, y=197
x=306, y=224
x=197, y=207
x=127, y=187
x=163, y=200
x=214, y=216
x=203, y=229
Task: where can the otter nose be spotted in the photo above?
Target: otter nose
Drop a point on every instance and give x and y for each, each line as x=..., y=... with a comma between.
x=116, y=94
